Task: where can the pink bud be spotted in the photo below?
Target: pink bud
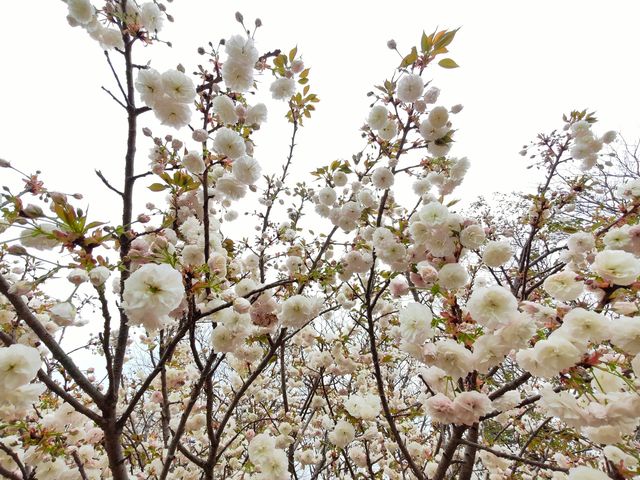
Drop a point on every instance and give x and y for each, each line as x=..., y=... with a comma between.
x=399, y=286
x=297, y=66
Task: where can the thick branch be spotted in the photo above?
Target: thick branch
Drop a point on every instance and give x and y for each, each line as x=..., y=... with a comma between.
x=9, y=475
x=469, y=454
x=25, y=314
x=449, y=451
x=14, y=456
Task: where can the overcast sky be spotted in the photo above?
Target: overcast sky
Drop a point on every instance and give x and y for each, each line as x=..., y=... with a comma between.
x=523, y=64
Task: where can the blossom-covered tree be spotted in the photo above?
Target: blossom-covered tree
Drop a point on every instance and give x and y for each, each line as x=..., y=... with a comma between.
x=358, y=323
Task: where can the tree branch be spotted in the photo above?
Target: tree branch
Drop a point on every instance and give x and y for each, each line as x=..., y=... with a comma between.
x=517, y=458
x=25, y=314
x=108, y=185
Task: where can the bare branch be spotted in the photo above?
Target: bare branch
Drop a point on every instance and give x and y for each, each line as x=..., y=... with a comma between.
x=106, y=182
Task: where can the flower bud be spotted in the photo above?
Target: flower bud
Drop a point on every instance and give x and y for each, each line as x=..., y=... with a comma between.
x=32, y=211
x=99, y=275
x=200, y=135
x=72, y=21
x=160, y=243
x=58, y=197
x=17, y=250
x=78, y=276
x=63, y=314
x=609, y=136
x=392, y=45
x=21, y=287
x=297, y=66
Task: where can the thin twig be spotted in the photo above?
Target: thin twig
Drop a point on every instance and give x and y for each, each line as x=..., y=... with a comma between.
x=115, y=74
x=108, y=185
x=516, y=458
x=114, y=97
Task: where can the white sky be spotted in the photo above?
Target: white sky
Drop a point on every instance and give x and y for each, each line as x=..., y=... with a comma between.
x=523, y=64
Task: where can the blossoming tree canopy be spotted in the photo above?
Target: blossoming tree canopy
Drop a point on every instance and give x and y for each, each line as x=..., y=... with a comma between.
x=357, y=323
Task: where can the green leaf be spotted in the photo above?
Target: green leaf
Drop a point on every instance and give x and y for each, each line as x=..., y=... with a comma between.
x=446, y=38
x=390, y=86
x=292, y=53
x=409, y=59
x=448, y=63
x=280, y=60
x=157, y=187
x=425, y=43
x=93, y=225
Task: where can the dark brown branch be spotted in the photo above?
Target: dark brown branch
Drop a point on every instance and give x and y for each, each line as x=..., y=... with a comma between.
x=112, y=428
x=67, y=397
x=115, y=74
x=238, y=396
x=516, y=458
x=141, y=110
x=248, y=295
x=55, y=388
x=283, y=177
x=522, y=379
x=177, y=435
x=168, y=352
x=370, y=303
x=16, y=459
x=533, y=435
x=469, y=454
x=25, y=314
x=114, y=98
x=76, y=458
x=449, y=451
x=108, y=185
x=10, y=475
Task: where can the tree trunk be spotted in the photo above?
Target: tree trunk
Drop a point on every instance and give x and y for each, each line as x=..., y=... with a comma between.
x=113, y=446
x=469, y=454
